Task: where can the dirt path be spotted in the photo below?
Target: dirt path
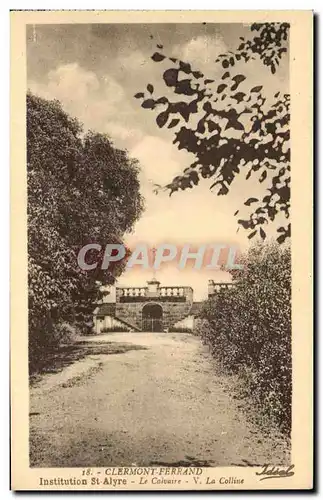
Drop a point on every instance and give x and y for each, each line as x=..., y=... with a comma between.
x=162, y=404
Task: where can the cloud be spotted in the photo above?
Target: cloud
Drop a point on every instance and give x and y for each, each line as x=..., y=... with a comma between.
x=92, y=100
x=72, y=82
x=123, y=133
x=132, y=60
x=159, y=158
x=210, y=216
x=201, y=50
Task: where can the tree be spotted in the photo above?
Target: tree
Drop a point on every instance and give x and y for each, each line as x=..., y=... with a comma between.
x=81, y=189
x=231, y=131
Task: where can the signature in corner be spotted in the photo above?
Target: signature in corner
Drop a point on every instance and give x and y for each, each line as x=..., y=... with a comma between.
x=269, y=472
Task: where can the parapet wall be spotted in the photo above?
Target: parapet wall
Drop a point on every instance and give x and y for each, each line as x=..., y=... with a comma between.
x=175, y=301
x=173, y=312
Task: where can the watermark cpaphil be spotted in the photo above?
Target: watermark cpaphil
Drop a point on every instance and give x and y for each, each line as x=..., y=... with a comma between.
x=212, y=256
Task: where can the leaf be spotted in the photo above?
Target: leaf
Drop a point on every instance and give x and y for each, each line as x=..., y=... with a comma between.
x=238, y=79
x=207, y=107
x=184, y=111
x=251, y=235
x=139, y=95
x=162, y=119
x=224, y=190
x=197, y=74
x=256, y=89
x=173, y=190
x=184, y=87
x=148, y=104
x=260, y=210
x=226, y=75
x=263, y=176
x=236, y=212
x=173, y=123
x=221, y=88
x=277, y=94
x=162, y=100
x=244, y=223
x=185, y=67
x=234, y=124
x=173, y=59
x=201, y=127
x=194, y=178
x=239, y=96
x=262, y=233
x=157, y=57
x=208, y=81
x=213, y=126
x=150, y=88
x=160, y=46
x=250, y=200
x=170, y=77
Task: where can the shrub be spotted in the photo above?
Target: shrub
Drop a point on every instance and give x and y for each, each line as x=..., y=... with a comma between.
x=111, y=329
x=248, y=328
x=47, y=341
x=180, y=329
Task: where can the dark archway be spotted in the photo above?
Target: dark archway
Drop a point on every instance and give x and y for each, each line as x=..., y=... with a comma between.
x=152, y=318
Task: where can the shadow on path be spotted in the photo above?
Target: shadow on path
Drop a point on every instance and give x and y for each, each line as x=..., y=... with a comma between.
x=58, y=359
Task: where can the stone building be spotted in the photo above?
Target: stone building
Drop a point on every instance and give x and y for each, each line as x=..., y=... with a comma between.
x=150, y=308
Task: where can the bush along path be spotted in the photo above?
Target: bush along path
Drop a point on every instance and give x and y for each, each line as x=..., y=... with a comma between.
x=248, y=330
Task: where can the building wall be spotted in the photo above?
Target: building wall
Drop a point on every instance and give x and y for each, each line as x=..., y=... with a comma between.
x=187, y=322
x=172, y=312
x=106, y=322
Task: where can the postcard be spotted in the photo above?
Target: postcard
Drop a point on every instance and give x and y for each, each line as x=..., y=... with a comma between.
x=161, y=250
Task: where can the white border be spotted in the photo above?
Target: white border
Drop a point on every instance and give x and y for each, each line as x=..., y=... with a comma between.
x=4, y=197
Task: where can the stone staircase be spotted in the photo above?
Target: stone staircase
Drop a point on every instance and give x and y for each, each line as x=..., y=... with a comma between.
x=129, y=324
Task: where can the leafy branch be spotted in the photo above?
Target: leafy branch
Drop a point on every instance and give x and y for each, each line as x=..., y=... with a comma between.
x=229, y=127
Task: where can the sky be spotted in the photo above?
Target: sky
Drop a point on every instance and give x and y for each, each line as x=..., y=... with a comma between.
x=95, y=70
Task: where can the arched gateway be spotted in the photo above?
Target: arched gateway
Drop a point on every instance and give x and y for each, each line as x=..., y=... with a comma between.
x=147, y=308
x=152, y=318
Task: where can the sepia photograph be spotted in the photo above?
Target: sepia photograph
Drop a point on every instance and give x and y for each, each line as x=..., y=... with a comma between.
x=159, y=253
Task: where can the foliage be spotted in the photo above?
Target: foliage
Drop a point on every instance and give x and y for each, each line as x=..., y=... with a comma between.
x=248, y=328
x=180, y=329
x=231, y=130
x=112, y=329
x=81, y=189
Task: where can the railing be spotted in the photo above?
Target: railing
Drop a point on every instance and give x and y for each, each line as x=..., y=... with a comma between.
x=132, y=291
x=214, y=287
x=154, y=298
x=164, y=293
x=174, y=291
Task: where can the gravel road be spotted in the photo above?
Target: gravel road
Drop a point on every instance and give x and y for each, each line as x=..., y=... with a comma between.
x=163, y=402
